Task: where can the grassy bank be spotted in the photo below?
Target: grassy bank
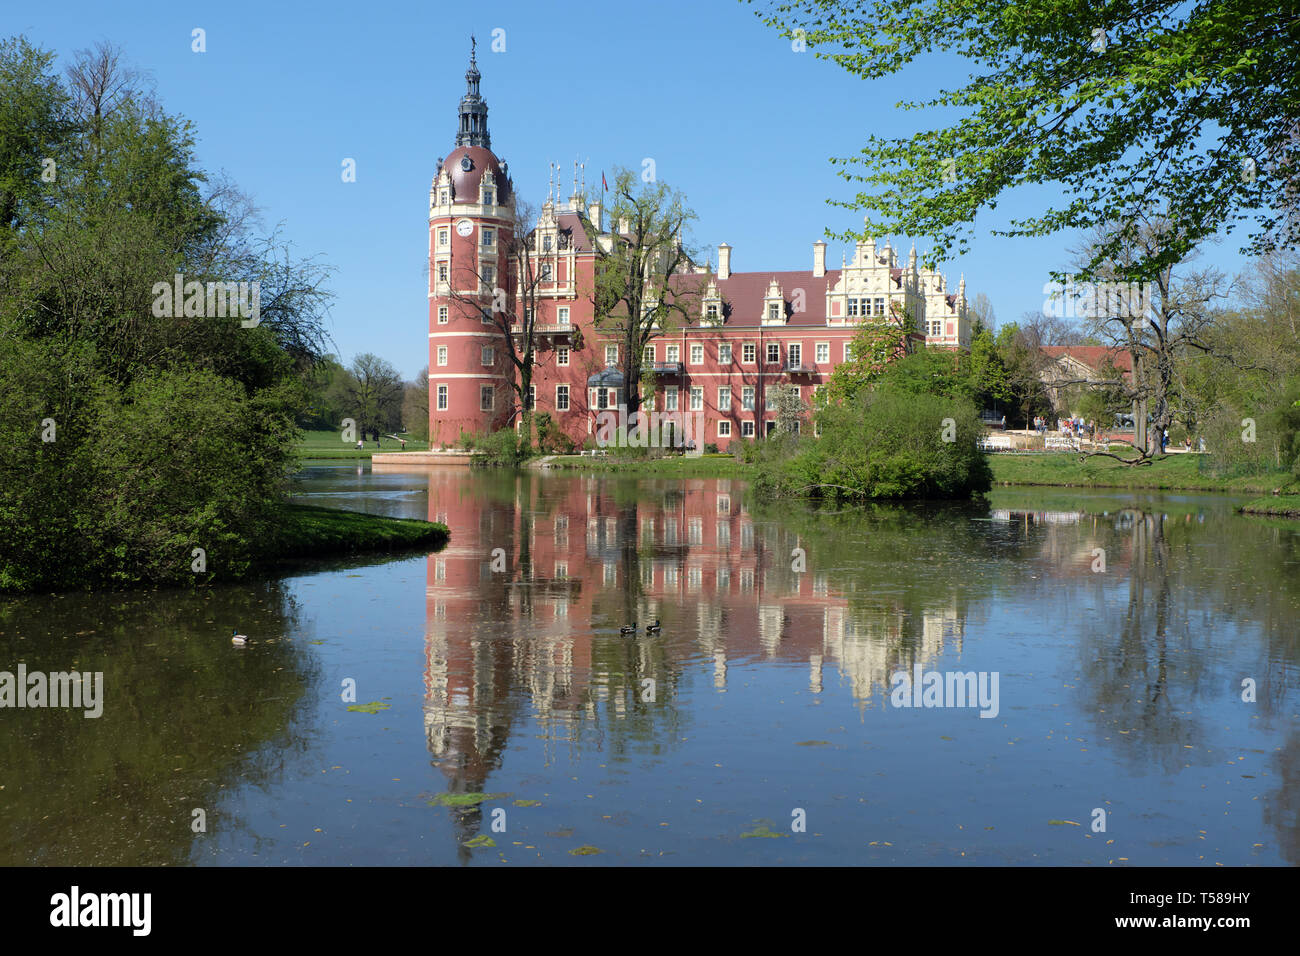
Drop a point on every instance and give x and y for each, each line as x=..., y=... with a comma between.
x=308, y=531
x=327, y=443
x=1175, y=473
x=1281, y=506
x=705, y=466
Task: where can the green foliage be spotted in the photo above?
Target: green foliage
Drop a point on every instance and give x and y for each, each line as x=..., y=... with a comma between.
x=501, y=447
x=132, y=438
x=1111, y=105
x=551, y=439
x=885, y=444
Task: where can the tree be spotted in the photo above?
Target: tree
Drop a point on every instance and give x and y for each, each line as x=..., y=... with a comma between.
x=875, y=345
x=374, y=393
x=634, y=294
x=415, y=405
x=1187, y=107
x=791, y=410
x=1158, y=335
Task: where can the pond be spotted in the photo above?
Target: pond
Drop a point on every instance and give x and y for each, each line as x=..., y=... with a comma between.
x=1115, y=683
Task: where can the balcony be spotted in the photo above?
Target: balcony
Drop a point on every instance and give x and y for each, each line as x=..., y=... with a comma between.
x=800, y=368
x=545, y=328
x=666, y=368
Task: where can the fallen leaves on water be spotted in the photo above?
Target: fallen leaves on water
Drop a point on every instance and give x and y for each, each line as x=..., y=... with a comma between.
x=463, y=799
x=481, y=840
x=585, y=851
x=528, y=803
x=374, y=707
x=762, y=830
x=813, y=743
x=1063, y=823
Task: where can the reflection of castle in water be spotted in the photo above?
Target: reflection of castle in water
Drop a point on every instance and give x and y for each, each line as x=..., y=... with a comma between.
x=529, y=625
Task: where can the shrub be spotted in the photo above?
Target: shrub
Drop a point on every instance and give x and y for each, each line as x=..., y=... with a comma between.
x=882, y=444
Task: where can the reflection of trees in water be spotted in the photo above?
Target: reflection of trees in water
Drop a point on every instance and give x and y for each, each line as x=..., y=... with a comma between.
x=186, y=716
x=1282, y=806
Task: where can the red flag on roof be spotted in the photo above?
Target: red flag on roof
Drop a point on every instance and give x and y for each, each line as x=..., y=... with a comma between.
x=602, y=180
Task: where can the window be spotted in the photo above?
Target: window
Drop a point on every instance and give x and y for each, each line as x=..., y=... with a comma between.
x=773, y=353
x=880, y=307
x=774, y=311
x=848, y=351
x=670, y=398
x=489, y=274
x=562, y=398
x=489, y=236
x=711, y=311
x=823, y=352
x=546, y=271
x=769, y=398
x=697, y=354
x=444, y=197
x=489, y=355
x=611, y=354
x=546, y=243
x=562, y=355
x=442, y=355
x=853, y=307
x=486, y=398
x=562, y=315
x=489, y=196
x=794, y=354
x=724, y=429
x=747, y=398
x=746, y=429
x=672, y=353
x=747, y=352
x=442, y=398
x=602, y=398
x=648, y=354
x=442, y=272
x=443, y=238
x=442, y=315
x=724, y=353
x=485, y=316
x=697, y=399
x=724, y=398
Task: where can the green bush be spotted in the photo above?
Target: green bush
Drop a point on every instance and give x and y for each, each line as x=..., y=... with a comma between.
x=882, y=444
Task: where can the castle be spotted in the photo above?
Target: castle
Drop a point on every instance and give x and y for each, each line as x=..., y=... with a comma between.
x=754, y=331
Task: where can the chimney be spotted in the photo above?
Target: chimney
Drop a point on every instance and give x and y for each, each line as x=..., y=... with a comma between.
x=819, y=259
x=724, y=261
x=594, y=214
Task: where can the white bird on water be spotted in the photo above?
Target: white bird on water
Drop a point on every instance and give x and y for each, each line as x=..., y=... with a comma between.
x=239, y=640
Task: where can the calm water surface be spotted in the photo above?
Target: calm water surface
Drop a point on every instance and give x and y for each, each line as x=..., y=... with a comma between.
x=498, y=668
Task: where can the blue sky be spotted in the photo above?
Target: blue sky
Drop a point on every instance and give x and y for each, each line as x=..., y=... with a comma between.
x=731, y=115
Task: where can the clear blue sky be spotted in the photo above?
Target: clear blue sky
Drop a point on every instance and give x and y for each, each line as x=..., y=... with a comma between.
x=731, y=116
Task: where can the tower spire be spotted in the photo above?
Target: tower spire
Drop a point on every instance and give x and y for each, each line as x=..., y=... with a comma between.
x=473, y=129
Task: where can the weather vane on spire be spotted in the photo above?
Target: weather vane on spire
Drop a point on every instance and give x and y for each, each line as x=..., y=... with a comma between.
x=473, y=45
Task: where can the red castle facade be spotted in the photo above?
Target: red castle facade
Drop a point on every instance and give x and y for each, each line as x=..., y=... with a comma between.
x=754, y=330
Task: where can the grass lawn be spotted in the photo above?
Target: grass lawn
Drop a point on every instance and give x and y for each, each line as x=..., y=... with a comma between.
x=704, y=466
x=1175, y=473
x=1285, y=506
x=327, y=443
x=308, y=531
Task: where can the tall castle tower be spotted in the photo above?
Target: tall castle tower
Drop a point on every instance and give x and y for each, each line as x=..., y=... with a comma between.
x=471, y=215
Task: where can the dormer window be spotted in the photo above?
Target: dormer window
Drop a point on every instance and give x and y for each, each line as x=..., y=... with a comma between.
x=546, y=243
x=444, y=196
x=711, y=312
x=488, y=195
x=773, y=312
